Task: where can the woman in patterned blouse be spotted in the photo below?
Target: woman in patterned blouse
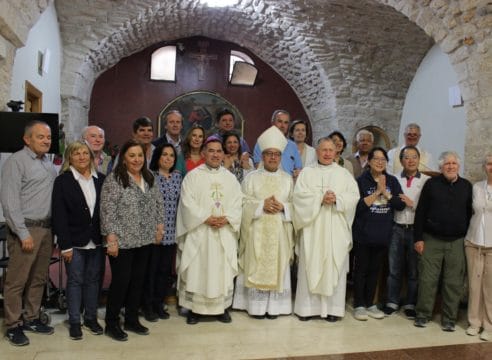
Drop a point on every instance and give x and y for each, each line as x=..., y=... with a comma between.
x=132, y=218
x=161, y=275
x=235, y=161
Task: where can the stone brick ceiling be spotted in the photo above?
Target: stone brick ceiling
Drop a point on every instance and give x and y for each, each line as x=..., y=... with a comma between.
x=349, y=61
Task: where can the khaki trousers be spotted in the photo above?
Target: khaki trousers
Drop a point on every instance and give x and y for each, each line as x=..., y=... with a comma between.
x=26, y=276
x=479, y=262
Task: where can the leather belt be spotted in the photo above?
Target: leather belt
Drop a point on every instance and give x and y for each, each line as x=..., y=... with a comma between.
x=43, y=223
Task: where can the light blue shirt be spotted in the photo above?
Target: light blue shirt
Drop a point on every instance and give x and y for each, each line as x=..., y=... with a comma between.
x=290, y=157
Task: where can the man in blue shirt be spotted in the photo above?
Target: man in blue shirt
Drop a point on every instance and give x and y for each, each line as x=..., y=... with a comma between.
x=291, y=160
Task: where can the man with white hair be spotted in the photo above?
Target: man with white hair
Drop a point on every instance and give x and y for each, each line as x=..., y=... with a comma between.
x=325, y=199
x=291, y=160
x=94, y=137
x=267, y=237
x=441, y=222
x=365, y=142
x=412, y=136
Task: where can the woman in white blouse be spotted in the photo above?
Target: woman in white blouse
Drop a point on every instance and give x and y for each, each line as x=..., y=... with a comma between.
x=478, y=249
x=298, y=134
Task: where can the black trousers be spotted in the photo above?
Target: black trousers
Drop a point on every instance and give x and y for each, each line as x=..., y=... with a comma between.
x=368, y=262
x=127, y=281
x=160, y=276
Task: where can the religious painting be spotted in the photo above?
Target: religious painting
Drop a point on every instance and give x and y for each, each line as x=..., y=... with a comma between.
x=200, y=107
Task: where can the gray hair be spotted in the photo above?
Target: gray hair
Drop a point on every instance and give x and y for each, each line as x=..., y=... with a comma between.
x=446, y=154
x=486, y=158
x=31, y=124
x=85, y=129
x=412, y=126
x=323, y=140
x=278, y=112
x=363, y=132
x=177, y=112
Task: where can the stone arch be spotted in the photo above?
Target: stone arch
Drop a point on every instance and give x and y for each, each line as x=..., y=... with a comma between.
x=340, y=69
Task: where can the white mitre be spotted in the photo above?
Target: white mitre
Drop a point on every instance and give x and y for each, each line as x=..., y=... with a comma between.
x=272, y=138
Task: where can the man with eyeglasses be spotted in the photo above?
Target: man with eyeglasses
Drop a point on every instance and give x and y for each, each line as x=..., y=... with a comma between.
x=291, y=160
x=412, y=136
x=263, y=286
x=402, y=255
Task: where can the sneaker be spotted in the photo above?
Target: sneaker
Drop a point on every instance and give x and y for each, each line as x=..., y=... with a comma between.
x=472, y=331
x=93, y=326
x=360, y=313
x=447, y=326
x=38, y=327
x=420, y=322
x=16, y=336
x=75, y=332
x=388, y=311
x=485, y=335
x=375, y=313
x=410, y=313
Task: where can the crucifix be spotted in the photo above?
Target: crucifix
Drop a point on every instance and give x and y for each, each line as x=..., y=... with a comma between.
x=203, y=59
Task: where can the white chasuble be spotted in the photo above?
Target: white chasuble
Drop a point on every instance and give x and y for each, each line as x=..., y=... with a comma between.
x=266, y=244
x=207, y=258
x=325, y=230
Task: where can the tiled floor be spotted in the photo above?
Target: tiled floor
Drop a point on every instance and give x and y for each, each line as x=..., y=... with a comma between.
x=247, y=338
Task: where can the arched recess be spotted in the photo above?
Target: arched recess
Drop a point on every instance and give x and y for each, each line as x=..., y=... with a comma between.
x=294, y=37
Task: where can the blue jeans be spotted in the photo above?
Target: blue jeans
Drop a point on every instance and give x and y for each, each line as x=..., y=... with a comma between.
x=402, y=256
x=84, y=274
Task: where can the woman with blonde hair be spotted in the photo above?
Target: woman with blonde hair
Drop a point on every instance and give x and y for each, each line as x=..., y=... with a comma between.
x=75, y=214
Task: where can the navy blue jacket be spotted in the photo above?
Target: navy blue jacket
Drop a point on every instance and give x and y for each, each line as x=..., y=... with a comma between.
x=373, y=224
x=72, y=221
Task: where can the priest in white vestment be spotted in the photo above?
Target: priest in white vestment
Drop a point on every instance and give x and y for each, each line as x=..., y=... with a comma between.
x=266, y=244
x=207, y=231
x=325, y=198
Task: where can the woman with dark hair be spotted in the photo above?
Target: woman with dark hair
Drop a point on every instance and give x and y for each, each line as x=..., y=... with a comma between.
x=237, y=162
x=161, y=275
x=192, y=147
x=372, y=228
x=298, y=134
x=76, y=196
x=132, y=214
x=341, y=144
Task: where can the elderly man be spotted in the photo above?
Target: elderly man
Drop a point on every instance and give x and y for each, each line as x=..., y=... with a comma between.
x=207, y=230
x=402, y=255
x=412, y=136
x=266, y=245
x=365, y=142
x=94, y=138
x=325, y=199
x=291, y=160
x=225, y=122
x=441, y=222
x=27, y=183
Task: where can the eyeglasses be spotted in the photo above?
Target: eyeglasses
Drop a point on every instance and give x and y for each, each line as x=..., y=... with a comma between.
x=272, y=154
x=380, y=160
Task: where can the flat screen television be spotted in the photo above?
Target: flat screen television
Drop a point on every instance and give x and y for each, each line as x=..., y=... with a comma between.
x=12, y=126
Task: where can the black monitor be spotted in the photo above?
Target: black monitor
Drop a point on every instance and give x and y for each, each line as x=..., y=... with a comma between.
x=12, y=126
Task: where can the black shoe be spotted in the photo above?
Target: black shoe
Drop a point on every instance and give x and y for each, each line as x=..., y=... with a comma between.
x=161, y=313
x=93, y=326
x=304, y=318
x=258, y=317
x=192, y=318
x=16, y=336
x=388, y=311
x=420, y=322
x=115, y=333
x=225, y=317
x=271, y=317
x=38, y=327
x=136, y=327
x=75, y=332
x=447, y=326
x=410, y=313
x=332, y=318
x=150, y=315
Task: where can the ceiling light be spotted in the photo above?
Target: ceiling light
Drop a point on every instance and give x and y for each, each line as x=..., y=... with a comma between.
x=219, y=3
